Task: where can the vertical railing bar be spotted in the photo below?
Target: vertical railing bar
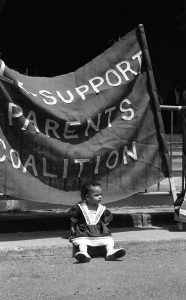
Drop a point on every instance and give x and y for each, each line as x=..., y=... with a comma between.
x=171, y=134
x=183, y=176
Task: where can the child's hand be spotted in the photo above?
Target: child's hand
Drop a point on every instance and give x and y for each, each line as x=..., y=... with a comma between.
x=72, y=230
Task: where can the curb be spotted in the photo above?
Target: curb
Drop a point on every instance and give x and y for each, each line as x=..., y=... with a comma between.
x=30, y=222
x=65, y=249
x=17, y=252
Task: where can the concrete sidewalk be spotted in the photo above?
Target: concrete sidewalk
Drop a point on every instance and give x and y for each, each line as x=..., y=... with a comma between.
x=57, y=242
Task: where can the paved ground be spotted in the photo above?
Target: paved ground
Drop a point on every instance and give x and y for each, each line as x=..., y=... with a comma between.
x=53, y=242
x=154, y=270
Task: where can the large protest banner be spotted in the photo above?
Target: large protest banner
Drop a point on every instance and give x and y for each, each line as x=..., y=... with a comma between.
x=102, y=121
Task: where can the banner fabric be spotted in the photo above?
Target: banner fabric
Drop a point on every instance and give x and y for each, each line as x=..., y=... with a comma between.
x=102, y=122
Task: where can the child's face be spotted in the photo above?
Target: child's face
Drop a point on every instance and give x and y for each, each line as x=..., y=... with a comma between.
x=94, y=195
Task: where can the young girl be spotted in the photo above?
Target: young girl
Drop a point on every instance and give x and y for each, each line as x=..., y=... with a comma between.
x=89, y=220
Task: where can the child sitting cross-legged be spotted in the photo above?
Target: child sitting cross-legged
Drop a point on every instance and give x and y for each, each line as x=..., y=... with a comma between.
x=89, y=220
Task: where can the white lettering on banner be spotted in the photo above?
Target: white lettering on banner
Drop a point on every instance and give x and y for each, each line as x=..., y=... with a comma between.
x=45, y=172
x=15, y=159
x=126, y=70
x=65, y=168
x=81, y=93
x=53, y=127
x=95, y=85
x=16, y=114
x=138, y=56
x=48, y=126
x=90, y=123
x=110, y=162
x=125, y=110
x=66, y=100
x=31, y=119
x=3, y=157
x=30, y=162
x=68, y=134
x=109, y=111
x=130, y=153
x=20, y=85
x=81, y=162
x=98, y=159
x=109, y=79
x=113, y=153
x=121, y=73
x=50, y=100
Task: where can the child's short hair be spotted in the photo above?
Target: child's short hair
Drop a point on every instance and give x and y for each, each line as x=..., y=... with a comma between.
x=85, y=188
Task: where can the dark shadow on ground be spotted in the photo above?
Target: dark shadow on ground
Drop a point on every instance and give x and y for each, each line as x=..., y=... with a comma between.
x=65, y=234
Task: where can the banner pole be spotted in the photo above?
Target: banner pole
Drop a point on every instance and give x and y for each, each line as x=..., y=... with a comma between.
x=154, y=94
x=155, y=102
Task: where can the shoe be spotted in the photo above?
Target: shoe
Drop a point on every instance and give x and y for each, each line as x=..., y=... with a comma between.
x=82, y=257
x=117, y=253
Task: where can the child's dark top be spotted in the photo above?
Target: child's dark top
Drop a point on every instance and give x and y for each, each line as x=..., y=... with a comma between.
x=82, y=229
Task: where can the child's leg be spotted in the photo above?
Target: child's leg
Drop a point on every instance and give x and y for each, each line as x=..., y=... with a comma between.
x=113, y=253
x=83, y=248
x=110, y=246
x=82, y=255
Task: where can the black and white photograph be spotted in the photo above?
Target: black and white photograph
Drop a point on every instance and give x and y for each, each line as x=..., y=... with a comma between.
x=92, y=150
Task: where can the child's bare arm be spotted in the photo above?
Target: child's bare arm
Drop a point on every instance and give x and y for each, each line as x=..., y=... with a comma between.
x=108, y=217
x=72, y=227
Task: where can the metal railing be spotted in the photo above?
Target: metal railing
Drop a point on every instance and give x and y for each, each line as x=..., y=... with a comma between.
x=174, y=109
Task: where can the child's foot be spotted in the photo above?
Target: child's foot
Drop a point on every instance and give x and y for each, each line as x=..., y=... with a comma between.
x=82, y=257
x=115, y=254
